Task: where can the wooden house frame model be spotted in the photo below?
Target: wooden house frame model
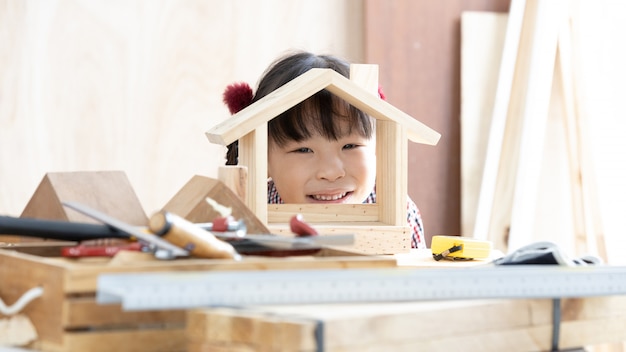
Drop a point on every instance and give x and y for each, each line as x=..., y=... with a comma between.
x=393, y=127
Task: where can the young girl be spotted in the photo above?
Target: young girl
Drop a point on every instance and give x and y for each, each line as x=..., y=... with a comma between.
x=321, y=150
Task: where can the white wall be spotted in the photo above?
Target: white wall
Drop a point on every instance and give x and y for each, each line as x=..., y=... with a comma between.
x=133, y=85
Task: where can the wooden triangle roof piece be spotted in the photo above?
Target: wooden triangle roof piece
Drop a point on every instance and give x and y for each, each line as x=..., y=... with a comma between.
x=304, y=86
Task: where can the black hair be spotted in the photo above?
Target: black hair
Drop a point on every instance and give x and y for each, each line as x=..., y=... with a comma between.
x=322, y=113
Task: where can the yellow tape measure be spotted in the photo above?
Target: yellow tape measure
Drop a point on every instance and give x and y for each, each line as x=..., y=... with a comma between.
x=459, y=248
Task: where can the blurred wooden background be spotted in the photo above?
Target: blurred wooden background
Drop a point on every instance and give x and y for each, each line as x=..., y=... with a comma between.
x=133, y=86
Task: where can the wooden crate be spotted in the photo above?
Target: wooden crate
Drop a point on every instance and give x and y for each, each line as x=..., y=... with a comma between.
x=67, y=317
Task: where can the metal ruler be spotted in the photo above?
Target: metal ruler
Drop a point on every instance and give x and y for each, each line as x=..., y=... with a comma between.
x=184, y=290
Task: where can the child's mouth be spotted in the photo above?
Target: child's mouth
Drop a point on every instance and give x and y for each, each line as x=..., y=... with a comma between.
x=329, y=197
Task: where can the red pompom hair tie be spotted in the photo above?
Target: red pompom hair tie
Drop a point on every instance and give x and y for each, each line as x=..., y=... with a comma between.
x=237, y=97
x=381, y=94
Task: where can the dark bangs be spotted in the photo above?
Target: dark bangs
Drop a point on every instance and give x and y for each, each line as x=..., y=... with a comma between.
x=321, y=114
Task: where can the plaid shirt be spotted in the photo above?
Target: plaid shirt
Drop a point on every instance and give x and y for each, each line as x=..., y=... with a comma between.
x=413, y=216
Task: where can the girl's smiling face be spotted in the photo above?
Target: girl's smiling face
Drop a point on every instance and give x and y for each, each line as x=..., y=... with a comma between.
x=323, y=170
x=322, y=151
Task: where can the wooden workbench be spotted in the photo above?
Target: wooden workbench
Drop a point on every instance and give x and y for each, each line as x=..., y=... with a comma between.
x=67, y=317
x=473, y=325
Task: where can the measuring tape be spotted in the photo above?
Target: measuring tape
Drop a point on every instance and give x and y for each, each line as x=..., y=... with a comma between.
x=185, y=290
x=457, y=247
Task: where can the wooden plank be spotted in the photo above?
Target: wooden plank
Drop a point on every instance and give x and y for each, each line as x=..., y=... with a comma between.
x=369, y=238
x=324, y=213
x=166, y=340
x=353, y=326
x=253, y=155
x=534, y=75
x=416, y=131
x=228, y=347
x=482, y=44
x=19, y=274
x=508, y=204
x=365, y=76
x=303, y=87
x=392, y=171
x=84, y=312
x=259, y=330
x=85, y=279
x=79, y=277
x=512, y=325
x=234, y=177
x=489, y=200
x=588, y=229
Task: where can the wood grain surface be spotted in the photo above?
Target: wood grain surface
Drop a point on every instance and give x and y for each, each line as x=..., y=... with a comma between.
x=133, y=86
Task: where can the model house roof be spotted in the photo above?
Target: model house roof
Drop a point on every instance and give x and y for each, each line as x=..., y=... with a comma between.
x=306, y=85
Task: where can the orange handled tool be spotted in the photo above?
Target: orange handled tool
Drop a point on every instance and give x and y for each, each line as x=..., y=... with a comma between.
x=189, y=236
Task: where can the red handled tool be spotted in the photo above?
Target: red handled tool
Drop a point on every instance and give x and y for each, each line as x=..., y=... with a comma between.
x=307, y=241
x=301, y=228
x=100, y=251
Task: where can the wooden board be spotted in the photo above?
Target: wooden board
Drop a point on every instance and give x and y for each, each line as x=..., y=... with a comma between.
x=482, y=40
x=373, y=238
x=492, y=182
x=68, y=319
x=480, y=325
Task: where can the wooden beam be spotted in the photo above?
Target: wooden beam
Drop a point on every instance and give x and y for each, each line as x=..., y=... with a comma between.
x=253, y=155
x=305, y=86
x=391, y=155
x=392, y=170
x=482, y=41
x=489, y=198
x=511, y=325
x=588, y=229
x=534, y=74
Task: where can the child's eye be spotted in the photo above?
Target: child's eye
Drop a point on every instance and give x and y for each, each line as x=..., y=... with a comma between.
x=350, y=146
x=302, y=150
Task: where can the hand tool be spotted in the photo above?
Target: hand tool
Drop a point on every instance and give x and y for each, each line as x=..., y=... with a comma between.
x=81, y=250
x=300, y=227
x=57, y=229
x=459, y=248
x=228, y=237
x=185, y=234
x=224, y=224
x=287, y=242
x=81, y=231
x=306, y=242
x=162, y=249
